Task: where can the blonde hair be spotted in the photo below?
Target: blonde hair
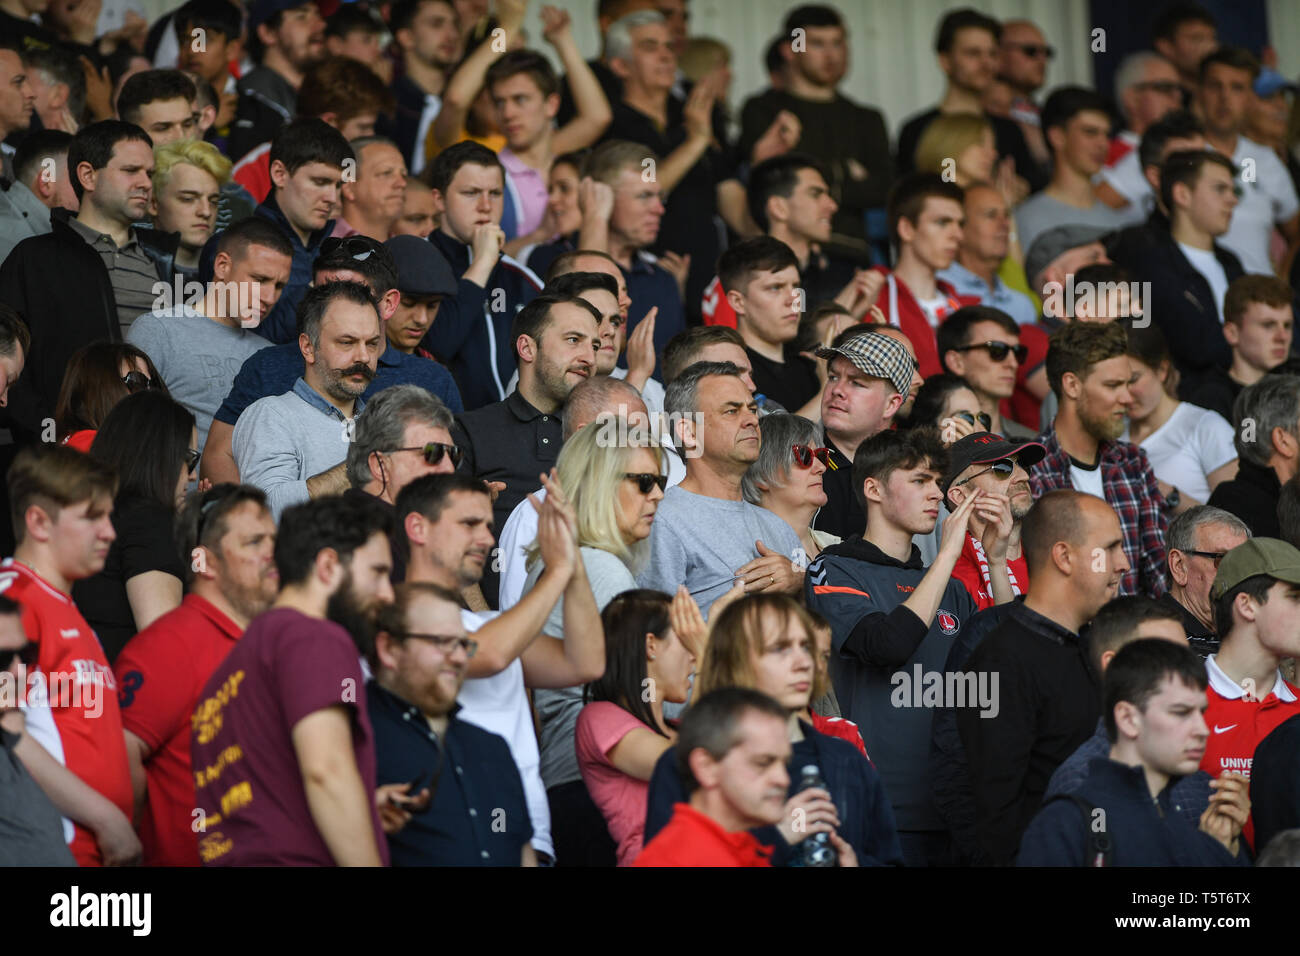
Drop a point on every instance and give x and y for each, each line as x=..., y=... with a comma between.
x=736, y=640
x=591, y=466
x=195, y=153
x=947, y=137
x=702, y=56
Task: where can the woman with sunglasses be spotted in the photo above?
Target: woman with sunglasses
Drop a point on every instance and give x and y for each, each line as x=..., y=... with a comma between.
x=766, y=642
x=947, y=402
x=614, y=484
x=786, y=478
x=97, y=378
x=651, y=640
x=149, y=439
x=1190, y=448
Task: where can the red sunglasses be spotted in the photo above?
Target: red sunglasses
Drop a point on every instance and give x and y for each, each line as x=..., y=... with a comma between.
x=804, y=455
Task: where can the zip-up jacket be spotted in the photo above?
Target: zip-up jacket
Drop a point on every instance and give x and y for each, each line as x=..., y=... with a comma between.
x=882, y=654
x=266, y=102
x=471, y=335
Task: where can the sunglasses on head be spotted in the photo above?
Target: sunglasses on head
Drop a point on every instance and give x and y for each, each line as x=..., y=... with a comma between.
x=984, y=419
x=354, y=247
x=645, y=481
x=998, y=351
x=1001, y=469
x=137, y=381
x=804, y=455
x=434, y=451
x=27, y=654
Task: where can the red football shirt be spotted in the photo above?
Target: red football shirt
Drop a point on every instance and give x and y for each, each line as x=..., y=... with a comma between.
x=715, y=308
x=692, y=839
x=969, y=570
x=841, y=728
x=81, y=725
x=1238, y=724
x=160, y=674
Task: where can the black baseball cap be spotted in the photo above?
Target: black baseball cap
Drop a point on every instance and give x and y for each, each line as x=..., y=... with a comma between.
x=982, y=448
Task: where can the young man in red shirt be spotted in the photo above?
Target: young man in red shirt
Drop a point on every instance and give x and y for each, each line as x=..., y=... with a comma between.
x=984, y=462
x=60, y=501
x=229, y=537
x=731, y=751
x=1256, y=596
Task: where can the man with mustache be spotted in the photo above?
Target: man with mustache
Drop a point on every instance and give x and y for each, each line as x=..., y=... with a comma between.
x=284, y=444
x=290, y=700
x=1089, y=371
x=988, y=463
x=556, y=338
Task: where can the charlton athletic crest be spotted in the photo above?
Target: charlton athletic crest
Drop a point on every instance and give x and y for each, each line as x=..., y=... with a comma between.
x=947, y=623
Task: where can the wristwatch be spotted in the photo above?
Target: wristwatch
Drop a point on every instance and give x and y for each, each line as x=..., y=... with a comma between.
x=1173, y=500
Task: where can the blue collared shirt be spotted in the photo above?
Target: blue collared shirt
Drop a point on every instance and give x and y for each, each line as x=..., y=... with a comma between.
x=999, y=296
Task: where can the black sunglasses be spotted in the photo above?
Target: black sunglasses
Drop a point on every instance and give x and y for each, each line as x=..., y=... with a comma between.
x=645, y=481
x=984, y=419
x=1003, y=469
x=354, y=247
x=137, y=381
x=444, y=642
x=1215, y=556
x=804, y=455
x=998, y=351
x=1035, y=50
x=1165, y=87
x=434, y=450
x=28, y=654
x=192, y=457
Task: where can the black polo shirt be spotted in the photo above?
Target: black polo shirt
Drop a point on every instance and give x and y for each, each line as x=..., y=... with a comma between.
x=789, y=383
x=478, y=815
x=841, y=515
x=1203, y=640
x=649, y=285
x=508, y=441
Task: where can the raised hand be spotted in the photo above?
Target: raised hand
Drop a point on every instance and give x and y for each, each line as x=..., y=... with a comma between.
x=641, y=348
x=994, y=509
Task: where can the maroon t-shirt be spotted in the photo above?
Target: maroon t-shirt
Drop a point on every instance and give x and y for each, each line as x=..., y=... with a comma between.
x=248, y=782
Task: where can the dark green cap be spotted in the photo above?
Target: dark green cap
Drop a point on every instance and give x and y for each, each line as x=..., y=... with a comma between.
x=1269, y=556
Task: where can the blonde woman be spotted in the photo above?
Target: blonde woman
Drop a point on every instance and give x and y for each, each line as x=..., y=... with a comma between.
x=614, y=481
x=767, y=642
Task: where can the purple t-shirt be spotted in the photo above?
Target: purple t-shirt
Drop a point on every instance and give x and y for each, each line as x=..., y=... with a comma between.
x=622, y=799
x=248, y=781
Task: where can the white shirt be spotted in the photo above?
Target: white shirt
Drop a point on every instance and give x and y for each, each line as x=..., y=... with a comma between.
x=1087, y=480
x=1126, y=178
x=1204, y=262
x=499, y=704
x=1268, y=196
x=1187, y=448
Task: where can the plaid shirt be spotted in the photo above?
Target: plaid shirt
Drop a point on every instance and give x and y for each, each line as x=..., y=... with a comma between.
x=1130, y=487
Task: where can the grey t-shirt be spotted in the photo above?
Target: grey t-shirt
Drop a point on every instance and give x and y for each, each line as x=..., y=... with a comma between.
x=197, y=357
x=701, y=542
x=558, y=709
x=1041, y=212
x=31, y=830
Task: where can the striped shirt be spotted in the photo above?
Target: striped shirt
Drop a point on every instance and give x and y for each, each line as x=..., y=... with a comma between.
x=130, y=271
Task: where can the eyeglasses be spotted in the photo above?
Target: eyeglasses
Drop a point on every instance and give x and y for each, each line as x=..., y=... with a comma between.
x=27, y=654
x=1215, y=556
x=804, y=455
x=1002, y=469
x=137, y=381
x=434, y=451
x=446, y=643
x=192, y=457
x=645, y=481
x=998, y=351
x=354, y=247
x=1163, y=87
x=984, y=418
x=1035, y=50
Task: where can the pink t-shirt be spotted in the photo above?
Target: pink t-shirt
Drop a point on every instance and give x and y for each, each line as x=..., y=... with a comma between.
x=528, y=190
x=622, y=799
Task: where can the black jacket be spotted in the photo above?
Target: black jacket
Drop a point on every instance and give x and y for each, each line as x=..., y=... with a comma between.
x=60, y=287
x=1252, y=497
x=1182, y=304
x=1049, y=702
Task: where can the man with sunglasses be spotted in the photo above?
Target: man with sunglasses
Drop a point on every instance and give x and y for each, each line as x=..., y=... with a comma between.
x=1146, y=90
x=228, y=537
x=981, y=345
x=476, y=813
x=1197, y=541
x=32, y=827
x=1023, y=55
x=985, y=462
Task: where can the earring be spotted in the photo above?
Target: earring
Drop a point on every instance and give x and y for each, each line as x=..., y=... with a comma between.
x=652, y=657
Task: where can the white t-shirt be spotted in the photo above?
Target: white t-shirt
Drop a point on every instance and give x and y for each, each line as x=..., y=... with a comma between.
x=1126, y=178
x=934, y=309
x=1087, y=480
x=1187, y=448
x=1204, y=262
x=1268, y=196
x=500, y=704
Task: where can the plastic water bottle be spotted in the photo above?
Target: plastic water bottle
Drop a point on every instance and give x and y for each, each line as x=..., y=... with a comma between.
x=815, y=850
x=767, y=407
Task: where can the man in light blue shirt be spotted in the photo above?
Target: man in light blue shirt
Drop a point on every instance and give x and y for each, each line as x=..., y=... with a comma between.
x=294, y=446
x=984, y=245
